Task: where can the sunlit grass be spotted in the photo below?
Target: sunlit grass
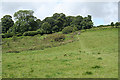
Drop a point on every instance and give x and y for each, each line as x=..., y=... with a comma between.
x=95, y=55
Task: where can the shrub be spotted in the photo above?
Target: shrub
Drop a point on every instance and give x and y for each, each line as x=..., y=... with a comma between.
x=12, y=51
x=30, y=33
x=67, y=30
x=99, y=58
x=75, y=29
x=7, y=35
x=19, y=34
x=40, y=31
x=56, y=37
x=59, y=37
x=88, y=73
x=96, y=66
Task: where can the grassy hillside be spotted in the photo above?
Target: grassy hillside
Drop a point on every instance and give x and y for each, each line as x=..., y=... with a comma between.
x=94, y=55
x=38, y=42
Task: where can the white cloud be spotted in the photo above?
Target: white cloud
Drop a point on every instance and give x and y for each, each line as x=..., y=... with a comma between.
x=100, y=10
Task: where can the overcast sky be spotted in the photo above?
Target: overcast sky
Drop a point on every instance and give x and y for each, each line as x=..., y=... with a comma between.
x=101, y=12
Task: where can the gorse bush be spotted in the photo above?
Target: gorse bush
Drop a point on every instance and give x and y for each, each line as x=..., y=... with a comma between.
x=30, y=33
x=67, y=30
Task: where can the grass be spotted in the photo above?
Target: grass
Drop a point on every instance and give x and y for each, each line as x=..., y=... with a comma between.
x=94, y=55
x=38, y=42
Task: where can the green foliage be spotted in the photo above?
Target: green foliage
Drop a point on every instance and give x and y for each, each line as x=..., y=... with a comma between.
x=97, y=66
x=50, y=20
x=7, y=22
x=45, y=41
x=55, y=28
x=7, y=35
x=99, y=58
x=25, y=21
x=77, y=20
x=30, y=33
x=19, y=34
x=88, y=73
x=86, y=23
x=112, y=23
x=59, y=20
x=100, y=26
x=67, y=30
x=69, y=20
x=41, y=31
x=75, y=29
x=117, y=24
x=55, y=37
x=46, y=27
x=23, y=14
x=58, y=37
x=39, y=23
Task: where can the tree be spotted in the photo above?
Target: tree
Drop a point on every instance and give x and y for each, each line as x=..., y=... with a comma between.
x=60, y=23
x=59, y=19
x=50, y=20
x=77, y=20
x=87, y=23
x=83, y=24
x=67, y=30
x=117, y=24
x=55, y=28
x=23, y=15
x=112, y=24
x=69, y=19
x=39, y=23
x=46, y=28
x=89, y=17
x=7, y=22
x=55, y=15
x=25, y=21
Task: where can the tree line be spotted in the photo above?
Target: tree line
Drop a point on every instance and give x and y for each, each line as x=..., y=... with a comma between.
x=112, y=24
x=27, y=24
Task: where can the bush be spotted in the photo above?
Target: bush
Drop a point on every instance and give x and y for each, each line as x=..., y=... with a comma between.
x=59, y=37
x=19, y=34
x=56, y=37
x=75, y=29
x=40, y=31
x=7, y=35
x=67, y=30
x=30, y=33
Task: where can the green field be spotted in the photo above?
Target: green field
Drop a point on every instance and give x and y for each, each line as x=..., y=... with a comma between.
x=93, y=55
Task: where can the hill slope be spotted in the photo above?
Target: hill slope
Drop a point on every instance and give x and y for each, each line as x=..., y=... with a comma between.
x=95, y=55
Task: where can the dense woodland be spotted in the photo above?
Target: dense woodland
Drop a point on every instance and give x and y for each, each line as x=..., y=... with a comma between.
x=28, y=25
